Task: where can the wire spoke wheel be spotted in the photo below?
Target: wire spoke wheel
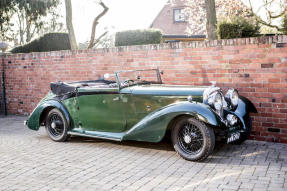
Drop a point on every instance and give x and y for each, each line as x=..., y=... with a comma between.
x=192, y=139
x=56, y=125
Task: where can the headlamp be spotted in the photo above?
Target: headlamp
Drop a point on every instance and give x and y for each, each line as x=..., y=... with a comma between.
x=232, y=98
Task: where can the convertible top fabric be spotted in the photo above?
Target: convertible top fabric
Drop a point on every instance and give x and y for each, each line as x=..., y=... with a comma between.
x=60, y=88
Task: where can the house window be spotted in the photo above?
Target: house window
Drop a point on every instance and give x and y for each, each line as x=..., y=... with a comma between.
x=178, y=15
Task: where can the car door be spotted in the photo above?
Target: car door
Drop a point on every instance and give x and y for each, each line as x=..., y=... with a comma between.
x=100, y=109
x=128, y=107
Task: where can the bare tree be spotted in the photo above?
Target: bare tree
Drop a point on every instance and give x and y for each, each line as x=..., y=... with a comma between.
x=95, y=23
x=70, y=28
x=273, y=9
x=211, y=19
x=69, y=24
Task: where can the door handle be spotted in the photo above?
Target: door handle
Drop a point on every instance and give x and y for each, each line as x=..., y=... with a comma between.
x=148, y=107
x=116, y=99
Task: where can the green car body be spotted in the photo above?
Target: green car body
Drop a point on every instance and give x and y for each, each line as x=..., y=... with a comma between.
x=142, y=112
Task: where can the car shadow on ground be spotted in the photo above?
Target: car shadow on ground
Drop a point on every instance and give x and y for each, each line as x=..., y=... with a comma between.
x=223, y=153
x=164, y=145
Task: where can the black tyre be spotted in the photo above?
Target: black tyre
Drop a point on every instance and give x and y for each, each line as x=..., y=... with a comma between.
x=244, y=136
x=192, y=139
x=56, y=125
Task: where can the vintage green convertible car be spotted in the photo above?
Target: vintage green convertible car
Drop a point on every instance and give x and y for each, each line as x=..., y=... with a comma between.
x=138, y=106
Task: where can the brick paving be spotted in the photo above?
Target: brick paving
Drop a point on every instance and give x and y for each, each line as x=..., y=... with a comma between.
x=29, y=160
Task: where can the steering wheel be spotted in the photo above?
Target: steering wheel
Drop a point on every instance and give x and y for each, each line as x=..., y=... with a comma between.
x=128, y=82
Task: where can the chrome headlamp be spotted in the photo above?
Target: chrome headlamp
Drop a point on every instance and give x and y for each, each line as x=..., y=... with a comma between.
x=218, y=101
x=213, y=97
x=232, y=98
x=209, y=95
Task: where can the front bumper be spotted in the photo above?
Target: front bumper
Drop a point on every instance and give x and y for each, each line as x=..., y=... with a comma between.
x=232, y=132
x=234, y=136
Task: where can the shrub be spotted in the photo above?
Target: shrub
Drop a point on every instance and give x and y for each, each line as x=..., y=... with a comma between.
x=284, y=24
x=237, y=27
x=228, y=30
x=47, y=42
x=138, y=37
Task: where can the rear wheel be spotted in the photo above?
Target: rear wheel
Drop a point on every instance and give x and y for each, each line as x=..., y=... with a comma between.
x=56, y=125
x=192, y=139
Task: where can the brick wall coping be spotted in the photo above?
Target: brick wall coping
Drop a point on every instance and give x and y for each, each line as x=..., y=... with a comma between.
x=173, y=45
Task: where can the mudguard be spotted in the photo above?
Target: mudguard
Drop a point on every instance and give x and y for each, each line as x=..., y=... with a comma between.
x=245, y=106
x=248, y=105
x=152, y=128
x=34, y=119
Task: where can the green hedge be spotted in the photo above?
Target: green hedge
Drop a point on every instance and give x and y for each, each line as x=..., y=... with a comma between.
x=237, y=27
x=228, y=30
x=138, y=37
x=48, y=42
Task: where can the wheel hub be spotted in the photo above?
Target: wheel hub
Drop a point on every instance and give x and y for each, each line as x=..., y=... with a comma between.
x=187, y=139
x=53, y=125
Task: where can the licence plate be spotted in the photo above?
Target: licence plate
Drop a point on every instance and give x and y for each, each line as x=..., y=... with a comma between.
x=233, y=137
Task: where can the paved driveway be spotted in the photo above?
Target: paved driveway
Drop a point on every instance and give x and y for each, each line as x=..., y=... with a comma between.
x=29, y=160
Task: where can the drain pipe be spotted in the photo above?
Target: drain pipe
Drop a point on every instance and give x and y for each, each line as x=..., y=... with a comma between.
x=3, y=87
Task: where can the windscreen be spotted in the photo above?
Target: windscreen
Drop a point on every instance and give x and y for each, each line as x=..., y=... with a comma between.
x=129, y=78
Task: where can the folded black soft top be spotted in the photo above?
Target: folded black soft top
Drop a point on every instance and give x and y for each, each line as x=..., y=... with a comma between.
x=60, y=88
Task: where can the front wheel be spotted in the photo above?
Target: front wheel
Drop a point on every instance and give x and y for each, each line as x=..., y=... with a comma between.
x=56, y=125
x=192, y=139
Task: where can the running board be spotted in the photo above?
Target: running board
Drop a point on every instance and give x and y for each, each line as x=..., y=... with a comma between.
x=99, y=135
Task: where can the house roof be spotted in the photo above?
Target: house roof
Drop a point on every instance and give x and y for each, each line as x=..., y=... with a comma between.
x=157, y=16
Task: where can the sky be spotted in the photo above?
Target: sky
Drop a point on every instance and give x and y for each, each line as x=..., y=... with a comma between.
x=122, y=15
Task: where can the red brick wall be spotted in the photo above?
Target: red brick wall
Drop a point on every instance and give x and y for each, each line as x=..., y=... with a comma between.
x=1, y=67
x=257, y=67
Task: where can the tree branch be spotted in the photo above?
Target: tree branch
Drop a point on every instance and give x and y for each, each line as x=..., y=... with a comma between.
x=279, y=15
x=261, y=21
x=95, y=23
x=34, y=30
x=264, y=5
x=100, y=37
